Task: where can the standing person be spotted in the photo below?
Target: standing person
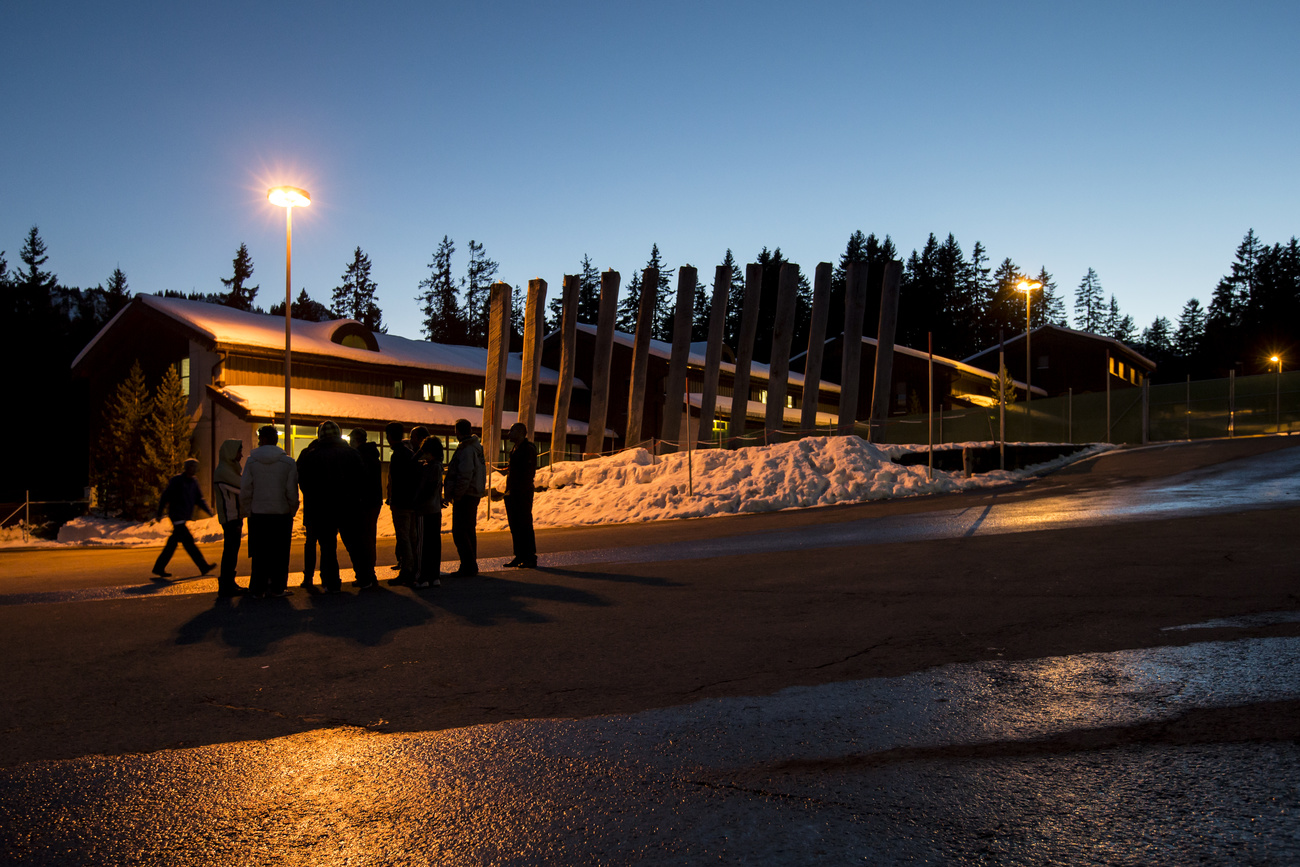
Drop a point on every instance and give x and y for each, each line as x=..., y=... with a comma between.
x=402, y=479
x=309, y=541
x=463, y=487
x=269, y=494
x=332, y=476
x=179, y=498
x=227, y=478
x=372, y=494
x=520, y=476
x=428, y=505
x=419, y=434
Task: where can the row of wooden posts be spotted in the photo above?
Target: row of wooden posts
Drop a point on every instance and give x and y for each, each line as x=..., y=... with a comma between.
x=779, y=366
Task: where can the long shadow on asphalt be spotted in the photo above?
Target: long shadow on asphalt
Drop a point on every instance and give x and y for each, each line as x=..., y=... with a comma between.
x=487, y=601
x=606, y=576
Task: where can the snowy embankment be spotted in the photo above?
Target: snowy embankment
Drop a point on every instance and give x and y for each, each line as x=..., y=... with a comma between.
x=634, y=486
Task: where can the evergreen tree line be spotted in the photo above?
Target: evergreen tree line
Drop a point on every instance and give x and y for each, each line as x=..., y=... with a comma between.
x=146, y=438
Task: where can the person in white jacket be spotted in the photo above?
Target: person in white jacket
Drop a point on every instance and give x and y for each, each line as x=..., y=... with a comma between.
x=268, y=493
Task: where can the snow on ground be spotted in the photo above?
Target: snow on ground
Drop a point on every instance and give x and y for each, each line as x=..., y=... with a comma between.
x=634, y=486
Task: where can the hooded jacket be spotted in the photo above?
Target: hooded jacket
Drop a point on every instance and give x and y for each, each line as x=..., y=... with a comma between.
x=228, y=478
x=269, y=483
x=467, y=472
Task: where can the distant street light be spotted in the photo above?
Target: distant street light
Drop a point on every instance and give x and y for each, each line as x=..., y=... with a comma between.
x=1277, y=359
x=1028, y=286
x=288, y=198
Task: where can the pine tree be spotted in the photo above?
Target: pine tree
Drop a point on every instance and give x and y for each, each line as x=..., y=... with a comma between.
x=238, y=295
x=629, y=305
x=1089, y=304
x=1004, y=310
x=169, y=430
x=588, y=297
x=305, y=308
x=1051, y=307
x=31, y=287
x=443, y=322
x=1158, y=341
x=735, y=301
x=116, y=293
x=1191, y=330
x=665, y=297
x=120, y=455
x=479, y=274
x=355, y=297
x=1110, y=319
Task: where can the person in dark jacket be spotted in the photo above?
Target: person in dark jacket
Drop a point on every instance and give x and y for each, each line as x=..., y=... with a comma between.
x=332, y=476
x=402, y=480
x=372, y=495
x=227, y=479
x=310, y=544
x=428, y=507
x=179, y=498
x=520, y=476
x=463, y=486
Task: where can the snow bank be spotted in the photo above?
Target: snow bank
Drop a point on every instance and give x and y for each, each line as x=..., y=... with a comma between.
x=635, y=486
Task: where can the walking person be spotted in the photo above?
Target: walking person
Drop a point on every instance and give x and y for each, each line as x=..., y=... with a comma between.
x=332, y=477
x=229, y=513
x=520, y=476
x=372, y=493
x=428, y=506
x=402, y=480
x=269, y=495
x=179, y=498
x=309, y=541
x=463, y=487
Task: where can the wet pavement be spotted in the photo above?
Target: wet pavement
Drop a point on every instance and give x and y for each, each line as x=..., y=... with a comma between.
x=1171, y=755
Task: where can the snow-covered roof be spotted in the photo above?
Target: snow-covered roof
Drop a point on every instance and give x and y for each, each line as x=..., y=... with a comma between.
x=237, y=328
x=267, y=401
x=1118, y=344
x=696, y=357
x=757, y=409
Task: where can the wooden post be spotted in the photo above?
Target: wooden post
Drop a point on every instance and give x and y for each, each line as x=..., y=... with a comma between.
x=494, y=383
x=713, y=355
x=675, y=387
x=600, y=362
x=645, y=326
x=779, y=367
x=885, y=350
x=744, y=354
x=812, y=369
x=855, y=302
x=534, y=326
x=568, y=343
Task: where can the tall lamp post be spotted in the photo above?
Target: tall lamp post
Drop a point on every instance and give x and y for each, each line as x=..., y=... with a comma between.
x=1028, y=286
x=1277, y=418
x=288, y=198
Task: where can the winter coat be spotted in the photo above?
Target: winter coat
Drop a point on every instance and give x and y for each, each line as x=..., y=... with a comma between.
x=403, y=477
x=180, y=497
x=228, y=479
x=522, y=471
x=332, y=476
x=428, y=491
x=467, y=472
x=269, y=483
x=372, y=496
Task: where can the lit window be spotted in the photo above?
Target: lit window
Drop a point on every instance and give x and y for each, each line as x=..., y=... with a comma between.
x=478, y=397
x=789, y=401
x=435, y=393
x=397, y=388
x=185, y=376
x=762, y=395
x=719, y=425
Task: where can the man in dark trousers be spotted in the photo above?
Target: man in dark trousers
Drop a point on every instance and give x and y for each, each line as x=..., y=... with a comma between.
x=268, y=494
x=179, y=498
x=463, y=487
x=332, y=476
x=520, y=476
x=403, y=478
x=372, y=495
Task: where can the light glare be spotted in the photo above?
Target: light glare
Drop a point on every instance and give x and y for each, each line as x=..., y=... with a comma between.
x=288, y=197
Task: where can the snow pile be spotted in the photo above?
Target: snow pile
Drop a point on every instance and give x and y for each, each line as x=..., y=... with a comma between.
x=635, y=486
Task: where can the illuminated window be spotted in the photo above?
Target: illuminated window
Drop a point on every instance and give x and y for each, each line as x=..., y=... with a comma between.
x=478, y=397
x=719, y=425
x=762, y=395
x=185, y=376
x=356, y=341
x=435, y=393
x=397, y=388
x=789, y=401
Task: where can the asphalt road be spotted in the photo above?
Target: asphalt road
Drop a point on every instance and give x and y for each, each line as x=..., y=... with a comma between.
x=644, y=680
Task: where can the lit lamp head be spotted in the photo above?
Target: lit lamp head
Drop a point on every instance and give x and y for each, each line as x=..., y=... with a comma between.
x=1028, y=286
x=288, y=197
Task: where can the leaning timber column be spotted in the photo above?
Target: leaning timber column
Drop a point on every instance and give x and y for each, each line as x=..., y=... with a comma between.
x=812, y=369
x=779, y=368
x=645, y=316
x=885, y=350
x=745, y=353
x=600, y=362
x=855, y=302
x=529, y=379
x=675, y=388
x=713, y=355
x=568, y=344
x=494, y=383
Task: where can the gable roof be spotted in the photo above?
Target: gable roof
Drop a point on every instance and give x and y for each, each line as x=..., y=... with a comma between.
x=1119, y=345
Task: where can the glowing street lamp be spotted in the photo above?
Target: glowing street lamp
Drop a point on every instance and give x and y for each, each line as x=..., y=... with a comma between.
x=1028, y=286
x=288, y=198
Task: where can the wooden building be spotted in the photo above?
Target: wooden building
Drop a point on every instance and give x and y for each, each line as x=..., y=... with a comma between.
x=1066, y=359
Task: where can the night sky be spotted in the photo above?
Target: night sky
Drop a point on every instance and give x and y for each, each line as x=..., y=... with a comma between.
x=1139, y=139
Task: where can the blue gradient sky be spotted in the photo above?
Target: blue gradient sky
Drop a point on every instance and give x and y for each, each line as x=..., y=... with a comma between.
x=1139, y=139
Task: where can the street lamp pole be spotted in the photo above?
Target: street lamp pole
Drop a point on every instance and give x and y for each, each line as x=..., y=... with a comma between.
x=1277, y=406
x=1028, y=287
x=288, y=198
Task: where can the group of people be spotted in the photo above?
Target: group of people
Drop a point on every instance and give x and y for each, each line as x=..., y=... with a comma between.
x=342, y=495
